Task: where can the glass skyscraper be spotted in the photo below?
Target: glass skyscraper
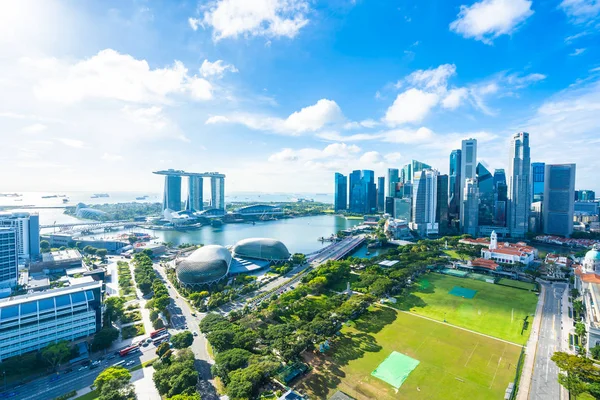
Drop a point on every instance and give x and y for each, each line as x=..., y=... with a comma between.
x=519, y=185
x=441, y=214
x=9, y=256
x=341, y=192
x=380, y=194
x=195, y=200
x=424, y=203
x=454, y=181
x=409, y=170
x=485, y=187
x=172, y=194
x=393, y=177
x=363, y=192
x=537, y=178
x=468, y=170
x=559, y=199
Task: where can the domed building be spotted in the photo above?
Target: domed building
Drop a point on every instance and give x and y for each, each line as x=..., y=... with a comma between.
x=261, y=249
x=206, y=265
x=591, y=261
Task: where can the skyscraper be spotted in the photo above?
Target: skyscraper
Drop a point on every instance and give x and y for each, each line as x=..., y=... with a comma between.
x=537, y=178
x=27, y=230
x=380, y=194
x=409, y=170
x=469, y=216
x=217, y=193
x=363, y=192
x=441, y=213
x=519, y=185
x=172, y=194
x=424, y=202
x=454, y=183
x=340, y=202
x=559, y=199
x=501, y=197
x=195, y=201
x=468, y=168
x=9, y=265
x=585, y=195
x=485, y=187
x=393, y=177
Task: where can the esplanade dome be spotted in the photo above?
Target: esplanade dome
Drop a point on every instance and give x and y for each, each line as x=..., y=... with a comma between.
x=261, y=249
x=591, y=261
x=208, y=264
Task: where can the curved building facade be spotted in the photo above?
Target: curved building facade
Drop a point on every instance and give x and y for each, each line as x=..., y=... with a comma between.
x=208, y=264
x=261, y=249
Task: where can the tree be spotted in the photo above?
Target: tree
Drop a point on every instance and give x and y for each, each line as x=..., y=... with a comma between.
x=113, y=309
x=162, y=349
x=229, y=360
x=45, y=245
x=162, y=302
x=574, y=293
x=113, y=384
x=104, y=338
x=157, y=324
x=581, y=332
x=595, y=352
x=578, y=307
x=102, y=253
x=182, y=340
x=56, y=353
x=221, y=340
x=577, y=372
x=573, y=384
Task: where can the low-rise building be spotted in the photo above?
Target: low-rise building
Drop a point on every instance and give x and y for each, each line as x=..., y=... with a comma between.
x=504, y=253
x=397, y=228
x=30, y=322
x=58, y=260
x=587, y=281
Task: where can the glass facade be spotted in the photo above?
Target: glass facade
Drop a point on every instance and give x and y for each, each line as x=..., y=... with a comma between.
x=172, y=195
x=380, y=194
x=340, y=201
x=9, y=263
x=195, y=200
x=537, y=179
x=363, y=192
x=454, y=183
x=559, y=199
x=393, y=176
x=519, y=185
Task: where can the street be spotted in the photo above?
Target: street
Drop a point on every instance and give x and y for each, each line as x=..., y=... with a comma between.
x=544, y=383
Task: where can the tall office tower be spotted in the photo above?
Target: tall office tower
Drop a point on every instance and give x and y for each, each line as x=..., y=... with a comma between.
x=27, y=229
x=368, y=180
x=468, y=168
x=355, y=192
x=380, y=194
x=195, y=201
x=9, y=255
x=519, y=185
x=363, y=192
x=393, y=177
x=537, y=179
x=585, y=195
x=559, y=199
x=340, y=200
x=409, y=170
x=217, y=193
x=441, y=214
x=454, y=184
x=501, y=197
x=487, y=194
x=424, y=203
x=172, y=193
x=469, y=216
x=389, y=206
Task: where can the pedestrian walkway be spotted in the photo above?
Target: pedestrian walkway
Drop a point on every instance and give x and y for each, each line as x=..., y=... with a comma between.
x=528, y=364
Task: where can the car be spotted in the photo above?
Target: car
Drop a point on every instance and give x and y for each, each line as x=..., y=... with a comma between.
x=54, y=378
x=195, y=333
x=82, y=368
x=193, y=314
x=128, y=363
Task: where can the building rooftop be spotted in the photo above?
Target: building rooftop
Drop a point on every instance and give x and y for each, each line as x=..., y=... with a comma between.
x=483, y=263
x=388, y=263
x=63, y=255
x=49, y=293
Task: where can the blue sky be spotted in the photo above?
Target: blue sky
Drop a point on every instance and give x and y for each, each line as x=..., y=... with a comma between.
x=279, y=94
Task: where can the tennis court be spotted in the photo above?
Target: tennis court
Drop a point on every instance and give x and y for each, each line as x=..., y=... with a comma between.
x=395, y=369
x=454, y=272
x=463, y=292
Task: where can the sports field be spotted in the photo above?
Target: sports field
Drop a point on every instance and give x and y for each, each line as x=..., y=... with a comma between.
x=494, y=310
x=452, y=363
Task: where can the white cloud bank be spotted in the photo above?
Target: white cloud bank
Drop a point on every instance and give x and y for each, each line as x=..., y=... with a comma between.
x=216, y=69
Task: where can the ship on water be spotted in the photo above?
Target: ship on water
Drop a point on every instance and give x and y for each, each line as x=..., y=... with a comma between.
x=98, y=195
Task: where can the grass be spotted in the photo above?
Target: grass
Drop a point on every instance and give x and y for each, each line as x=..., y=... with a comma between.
x=89, y=396
x=454, y=254
x=517, y=284
x=132, y=331
x=144, y=364
x=495, y=310
x=454, y=364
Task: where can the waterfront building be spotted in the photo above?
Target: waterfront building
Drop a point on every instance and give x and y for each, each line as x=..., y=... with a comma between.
x=27, y=229
x=397, y=228
x=195, y=201
x=363, y=192
x=537, y=178
x=559, y=199
x=468, y=170
x=58, y=260
x=424, y=203
x=262, y=249
x=585, y=195
x=340, y=202
x=441, y=213
x=380, y=193
x=519, y=185
x=206, y=265
x=408, y=171
x=9, y=258
x=469, y=215
x=172, y=193
x=32, y=321
x=393, y=177
x=217, y=193
x=454, y=184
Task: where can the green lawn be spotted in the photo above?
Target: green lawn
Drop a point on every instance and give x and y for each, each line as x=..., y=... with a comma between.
x=454, y=364
x=495, y=310
x=517, y=284
x=454, y=254
x=89, y=396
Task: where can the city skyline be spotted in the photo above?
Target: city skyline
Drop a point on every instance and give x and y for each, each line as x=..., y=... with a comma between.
x=168, y=87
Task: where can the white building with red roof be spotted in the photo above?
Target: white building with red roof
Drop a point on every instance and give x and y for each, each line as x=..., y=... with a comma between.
x=508, y=253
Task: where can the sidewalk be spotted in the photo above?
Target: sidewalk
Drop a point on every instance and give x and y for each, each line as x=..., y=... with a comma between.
x=530, y=350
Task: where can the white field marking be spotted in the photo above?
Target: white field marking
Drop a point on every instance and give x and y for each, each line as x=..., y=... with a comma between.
x=512, y=315
x=490, y=360
x=497, y=367
x=471, y=355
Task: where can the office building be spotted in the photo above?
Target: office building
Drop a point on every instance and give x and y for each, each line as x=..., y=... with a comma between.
x=501, y=198
x=393, y=177
x=585, y=195
x=380, y=194
x=32, y=321
x=9, y=259
x=454, y=183
x=559, y=199
x=389, y=206
x=217, y=193
x=586, y=207
x=363, y=192
x=468, y=169
x=469, y=216
x=27, y=229
x=519, y=185
x=487, y=195
x=537, y=181
x=172, y=193
x=402, y=208
x=409, y=170
x=441, y=213
x=195, y=200
x=341, y=192
x=424, y=203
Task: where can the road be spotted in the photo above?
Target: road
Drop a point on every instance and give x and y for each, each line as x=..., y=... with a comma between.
x=181, y=317
x=544, y=384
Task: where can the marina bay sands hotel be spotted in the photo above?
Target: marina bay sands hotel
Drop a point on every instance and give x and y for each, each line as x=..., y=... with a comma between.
x=195, y=198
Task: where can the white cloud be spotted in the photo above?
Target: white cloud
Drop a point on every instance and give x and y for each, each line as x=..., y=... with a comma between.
x=366, y=123
x=371, y=157
x=194, y=23
x=581, y=11
x=216, y=69
x=488, y=19
x=520, y=81
x=412, y=105
x=308, y=119
x=35, y=128
x=151, y=117
x=111, y=75
x=577, y=52
x=434, y=78
x=269, y=18
x=74, y=143
x=111, y=157
x=454, y=98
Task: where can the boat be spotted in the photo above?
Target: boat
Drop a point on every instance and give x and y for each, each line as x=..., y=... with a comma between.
x=65, y=200
x=142, y=197
x=51, y=196
x=97, y=195
x=10, y=195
